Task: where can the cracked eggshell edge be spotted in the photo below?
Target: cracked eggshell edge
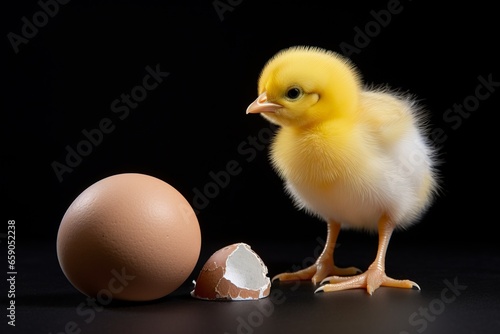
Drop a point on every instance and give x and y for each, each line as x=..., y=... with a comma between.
x=212, y=283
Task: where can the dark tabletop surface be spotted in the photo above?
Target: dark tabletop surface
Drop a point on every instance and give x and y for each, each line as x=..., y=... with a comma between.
x=459, y=295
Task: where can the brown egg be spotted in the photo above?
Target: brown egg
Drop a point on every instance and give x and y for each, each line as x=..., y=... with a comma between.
x=234, y=272
x=128, y=237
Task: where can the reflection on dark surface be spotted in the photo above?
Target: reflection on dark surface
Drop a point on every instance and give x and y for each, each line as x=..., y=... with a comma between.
x=350, y=311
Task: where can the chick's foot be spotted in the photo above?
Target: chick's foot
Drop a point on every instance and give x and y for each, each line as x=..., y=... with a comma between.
x=317, y=272
x=371, y=280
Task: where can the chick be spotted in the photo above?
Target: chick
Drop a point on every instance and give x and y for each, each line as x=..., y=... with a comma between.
x=354, y=156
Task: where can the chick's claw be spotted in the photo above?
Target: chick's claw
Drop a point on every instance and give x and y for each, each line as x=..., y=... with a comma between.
x=371, y=280
x=317, y=272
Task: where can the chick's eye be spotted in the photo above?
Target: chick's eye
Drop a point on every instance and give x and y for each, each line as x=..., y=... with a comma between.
x=293, y=93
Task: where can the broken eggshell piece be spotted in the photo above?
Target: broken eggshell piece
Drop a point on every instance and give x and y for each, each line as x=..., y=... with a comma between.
x=234, y=272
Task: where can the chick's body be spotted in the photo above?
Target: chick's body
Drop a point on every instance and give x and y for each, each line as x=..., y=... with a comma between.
x=352, y=171
x=353, y=156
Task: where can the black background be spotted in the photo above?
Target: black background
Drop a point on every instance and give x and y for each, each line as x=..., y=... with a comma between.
x=65, y=78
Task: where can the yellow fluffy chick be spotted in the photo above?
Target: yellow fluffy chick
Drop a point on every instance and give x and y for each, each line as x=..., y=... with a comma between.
x=354, y=156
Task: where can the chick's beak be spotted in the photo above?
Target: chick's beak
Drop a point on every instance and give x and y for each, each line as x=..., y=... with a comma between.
x=262, y=105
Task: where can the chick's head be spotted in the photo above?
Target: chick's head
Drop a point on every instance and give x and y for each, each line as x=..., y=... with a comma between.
x=301, y=86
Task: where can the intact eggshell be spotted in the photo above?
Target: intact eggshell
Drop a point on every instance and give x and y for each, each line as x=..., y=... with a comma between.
x=129, y=237
x=234, y=272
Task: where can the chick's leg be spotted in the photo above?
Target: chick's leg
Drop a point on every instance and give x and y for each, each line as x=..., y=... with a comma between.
x=375, y=276
x=324, y=265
